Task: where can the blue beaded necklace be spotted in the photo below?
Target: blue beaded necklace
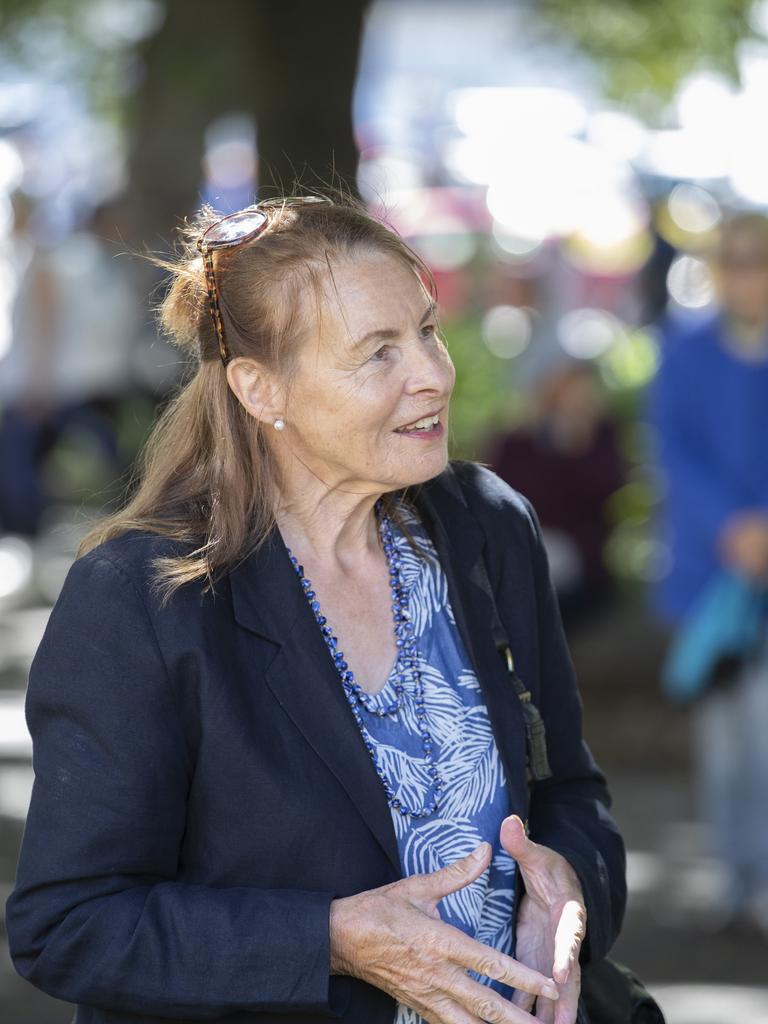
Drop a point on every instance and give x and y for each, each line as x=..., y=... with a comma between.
x=407, y=658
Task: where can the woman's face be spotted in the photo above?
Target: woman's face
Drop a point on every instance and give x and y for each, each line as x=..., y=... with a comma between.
x=374, y=365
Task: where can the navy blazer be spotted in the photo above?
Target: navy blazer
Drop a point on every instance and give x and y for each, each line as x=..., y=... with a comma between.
x=202, y=791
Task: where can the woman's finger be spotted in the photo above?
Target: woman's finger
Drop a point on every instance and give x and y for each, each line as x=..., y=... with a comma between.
x=568, y=938
x=434, y=885
x=485, y=1003
x=468, y=952
x=545, y=1011
x=523, y=999
x=566, y=1010
x=450, y=1012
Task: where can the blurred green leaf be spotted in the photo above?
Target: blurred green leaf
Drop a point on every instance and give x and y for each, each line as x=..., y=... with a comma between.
x=645, y=47
x=483, y=391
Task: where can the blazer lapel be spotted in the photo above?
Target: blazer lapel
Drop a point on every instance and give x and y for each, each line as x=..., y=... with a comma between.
x=268, y=600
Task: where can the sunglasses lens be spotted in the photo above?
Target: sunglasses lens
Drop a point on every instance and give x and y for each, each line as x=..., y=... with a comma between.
x=238, y=226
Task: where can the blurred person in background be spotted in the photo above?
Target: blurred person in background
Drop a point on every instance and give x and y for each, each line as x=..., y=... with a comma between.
x=709, y=406
x=75, y=318
x=567, y=460
x=27, y=392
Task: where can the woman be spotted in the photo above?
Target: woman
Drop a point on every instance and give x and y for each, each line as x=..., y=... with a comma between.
x=280, y=768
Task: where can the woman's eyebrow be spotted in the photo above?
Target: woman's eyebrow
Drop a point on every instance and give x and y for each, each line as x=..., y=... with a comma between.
x=386, y=333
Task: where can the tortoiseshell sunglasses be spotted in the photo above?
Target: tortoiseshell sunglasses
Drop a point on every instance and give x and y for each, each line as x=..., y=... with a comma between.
x=236, y=229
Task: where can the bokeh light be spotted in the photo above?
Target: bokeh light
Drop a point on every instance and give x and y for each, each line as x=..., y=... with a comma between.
x=507, y=330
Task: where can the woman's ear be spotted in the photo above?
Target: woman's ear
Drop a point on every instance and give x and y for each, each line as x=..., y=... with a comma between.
x=256, y=388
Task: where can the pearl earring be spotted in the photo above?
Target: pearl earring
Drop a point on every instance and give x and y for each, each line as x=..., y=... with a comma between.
x=279, y=424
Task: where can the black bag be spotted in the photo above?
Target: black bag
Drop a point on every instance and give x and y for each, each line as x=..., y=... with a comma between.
x=611, y=993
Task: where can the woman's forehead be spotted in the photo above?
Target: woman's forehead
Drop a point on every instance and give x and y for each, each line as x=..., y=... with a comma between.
x=370, y=294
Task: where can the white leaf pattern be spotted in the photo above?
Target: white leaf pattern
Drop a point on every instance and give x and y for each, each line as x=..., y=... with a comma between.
x=475, y=798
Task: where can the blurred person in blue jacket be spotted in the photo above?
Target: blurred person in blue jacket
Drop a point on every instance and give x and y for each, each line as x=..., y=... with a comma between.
x=709, y=406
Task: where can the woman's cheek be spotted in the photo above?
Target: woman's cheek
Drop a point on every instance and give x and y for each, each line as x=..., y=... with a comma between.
x=450, y=366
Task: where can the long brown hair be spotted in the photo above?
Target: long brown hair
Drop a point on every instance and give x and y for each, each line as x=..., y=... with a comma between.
x=206, y=475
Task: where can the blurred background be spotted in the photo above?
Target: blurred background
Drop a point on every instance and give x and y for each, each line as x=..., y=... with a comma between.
x=568, y=170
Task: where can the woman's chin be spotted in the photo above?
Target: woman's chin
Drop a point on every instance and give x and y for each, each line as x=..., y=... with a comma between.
x=422, y=467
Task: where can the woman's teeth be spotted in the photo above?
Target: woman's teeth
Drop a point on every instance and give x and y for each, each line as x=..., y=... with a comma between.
x=425, y=424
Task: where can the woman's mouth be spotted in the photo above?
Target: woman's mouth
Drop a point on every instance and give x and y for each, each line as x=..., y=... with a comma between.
x=428, y=427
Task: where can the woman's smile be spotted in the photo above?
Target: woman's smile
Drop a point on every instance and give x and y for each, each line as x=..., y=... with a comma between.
x=428, y=427
x=424, y=433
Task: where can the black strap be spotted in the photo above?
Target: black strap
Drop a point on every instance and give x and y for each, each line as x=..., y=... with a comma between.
x=538, y=763
x=536, y=739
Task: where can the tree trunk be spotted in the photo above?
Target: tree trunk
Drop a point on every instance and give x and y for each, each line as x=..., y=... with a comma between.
x=291, y=64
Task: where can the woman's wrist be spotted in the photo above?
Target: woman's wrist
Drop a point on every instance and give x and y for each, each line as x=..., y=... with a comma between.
x=337, y=925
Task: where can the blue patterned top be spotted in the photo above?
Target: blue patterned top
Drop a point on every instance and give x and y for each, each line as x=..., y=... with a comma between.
x=475, y=799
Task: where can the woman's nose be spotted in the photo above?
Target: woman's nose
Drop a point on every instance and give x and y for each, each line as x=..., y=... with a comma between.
x=429, y=368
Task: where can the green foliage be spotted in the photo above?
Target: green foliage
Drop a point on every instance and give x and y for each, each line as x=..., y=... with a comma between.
x=641, y=47
x=483, y=391
x=645, y=47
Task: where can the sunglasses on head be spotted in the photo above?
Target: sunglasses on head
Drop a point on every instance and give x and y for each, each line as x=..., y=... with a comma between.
x=228, y=232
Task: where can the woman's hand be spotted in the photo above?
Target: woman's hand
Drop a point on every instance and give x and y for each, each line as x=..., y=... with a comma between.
x=743, y=544
x=551, y=922
x=393, y=938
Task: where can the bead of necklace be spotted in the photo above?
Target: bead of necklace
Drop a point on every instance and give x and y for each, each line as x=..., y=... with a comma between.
x=407, y=659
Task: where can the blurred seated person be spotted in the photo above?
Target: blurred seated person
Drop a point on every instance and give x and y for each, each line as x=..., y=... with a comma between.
x=566, y=459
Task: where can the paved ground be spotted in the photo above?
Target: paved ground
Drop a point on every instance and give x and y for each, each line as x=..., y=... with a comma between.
x=699, y=977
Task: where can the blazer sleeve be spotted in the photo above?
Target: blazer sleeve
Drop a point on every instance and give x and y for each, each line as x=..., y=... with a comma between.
x=96, y=916
x=570, y=811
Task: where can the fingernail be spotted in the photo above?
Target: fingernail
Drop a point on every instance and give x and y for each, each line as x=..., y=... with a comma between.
x=550, y=992
x=479, y=853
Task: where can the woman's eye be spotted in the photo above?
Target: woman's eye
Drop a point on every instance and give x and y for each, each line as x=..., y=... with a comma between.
x=382, y=353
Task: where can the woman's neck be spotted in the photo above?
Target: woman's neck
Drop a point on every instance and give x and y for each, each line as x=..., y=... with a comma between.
x=335, y=527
